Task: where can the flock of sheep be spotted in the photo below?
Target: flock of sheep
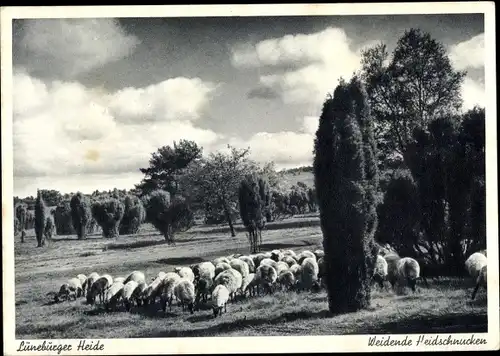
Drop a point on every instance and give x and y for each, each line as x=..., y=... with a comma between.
x=225, y=278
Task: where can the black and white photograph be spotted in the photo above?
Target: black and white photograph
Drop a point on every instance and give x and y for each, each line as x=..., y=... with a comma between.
x=178, y=174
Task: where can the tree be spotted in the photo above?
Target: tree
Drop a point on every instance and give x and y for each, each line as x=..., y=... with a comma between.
x=415, y=86
x=166, y=165
x=134, y=215
x=265, y=195
x=40, y=219
x=51, y=197
x=252, y=200
x=62, y=219
x=346, y=179
x=215, y=180
x=108, y=214
x=21, y=216
x=81, y=214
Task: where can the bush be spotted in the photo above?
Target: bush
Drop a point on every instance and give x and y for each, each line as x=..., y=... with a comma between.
x=21, y=212
x=80, y=214
x=62, y=219
x=108, y=214
x=40, y=219
x=134, y=215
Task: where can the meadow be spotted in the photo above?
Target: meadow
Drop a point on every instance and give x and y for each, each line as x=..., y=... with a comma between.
x=444, y=306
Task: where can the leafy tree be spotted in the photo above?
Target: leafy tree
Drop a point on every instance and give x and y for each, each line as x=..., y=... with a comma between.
x=252, y=200
x=166, y=165
x=21, y=211
x=133, y=217
x=40, y=219
x=81, y=214
x=51, y=197
x=62, y=219
x=346, y=179
x=410, y=89
x=108, y=214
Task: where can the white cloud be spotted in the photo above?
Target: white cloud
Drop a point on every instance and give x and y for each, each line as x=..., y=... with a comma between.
x=310, y=124
x=173, y=99
x=468, y=54
x=325, y=57
x=473, y=93
x=73, y=131
x=73, y=46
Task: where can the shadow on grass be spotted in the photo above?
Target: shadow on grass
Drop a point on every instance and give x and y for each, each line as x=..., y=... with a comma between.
x=420, y=324
x=277, y=246
x=180, y=260
x=87, y=254
x=55, y=329
x=279, y=225
x=134, y=244
x=230, y=326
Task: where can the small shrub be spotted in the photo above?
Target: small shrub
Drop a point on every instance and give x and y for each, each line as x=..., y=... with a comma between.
x=133, y=216
x=108, y=214
x=80, y=214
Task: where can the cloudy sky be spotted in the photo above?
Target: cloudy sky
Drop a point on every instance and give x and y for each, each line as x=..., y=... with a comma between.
x=93, y=98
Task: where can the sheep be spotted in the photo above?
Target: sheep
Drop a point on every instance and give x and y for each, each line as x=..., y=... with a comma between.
x=233, y=256
x=319, y=253
x=296, y=270
x=289, y=260
x=269, y=262
x=136, y=276
x=113, y=294
x=73, y=287
x=405, y=272
x=257, y=259
x=139, y=292
x=220, y=260
x=151, y=292
x=246, y=282
x=276, y=255
x=289, y=253
x=184, y=292
x=305, y=254
x=474, y=266
x=281, y=267
x=481, y=281
x=232, y=279
x=253, y=284
x=99, y=287
x=286, y=280
x=119, y=279
x=127, y=293
x=160, y=275
x=240, y=266
x=249, y=262
x=185, y=272
x=308, y=274
x=167, y=290
x=321, y=271
x=220, y=297
x=94, y=276
x=83, y=279
x=203, y=286
x=204, y=269
x=266, y=276
x=380, y=271
x=392, y=259
x=221, y=267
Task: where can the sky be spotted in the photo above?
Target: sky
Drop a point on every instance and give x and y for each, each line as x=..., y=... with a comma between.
x=93, y=98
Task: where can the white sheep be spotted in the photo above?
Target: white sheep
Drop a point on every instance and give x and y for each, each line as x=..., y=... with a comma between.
x=481, y=281
x=305, y=254
x=380, y=271
x=257, y=259
x=245, y=284
x=99, y=288
x=232, y=279
x=221, y=267
x=94, y=276
x=266, y=277
x=72, y=288
x=160, y=275
x=167, y=290
x=113, y=294
x=119, y=279
x=267, y=254
x=281, y=267
x=407, y=272
x=289, y=260
x=136, y=276
x=220, y=260
x=220, y=297
x=276, y=255
x=83, y=279
x=249, y=261
x=204, y=270
x=308, y=274
x=240, y=266
x=290, y=253
x=127, y=293
x=269, y=262
x=139, y=292
x=474, y=265
x=319, y=253
x=152, y=291
x=185, y=272
x=286, y=280
x=296, y=270
x=184, y=292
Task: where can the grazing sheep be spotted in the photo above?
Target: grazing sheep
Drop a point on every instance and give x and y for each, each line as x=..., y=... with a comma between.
x=233, y=256
x=221, y=267
x=481, y=281
x=94, y=276
x=119, y=279
x=257, y=259
x=281, y=267
x=167, y=290
x=392, y=259
x=289, y=260
x=286, y=280
x=474, y=266
x=72, y=288
x=184, y=292
x=240, y=266
x=127, y=293
x=407, y=272
x=319, y=253
x=83, y=279
x=139, y=292
x=267, y=254
x=289, y=253
x=136, y=276
x=380, y=271
x=220, y=260
x=99, y=288
x=308, y=274
x=305, y=254
x=204, y=270
x=245, y=283
x=153, y=290
x=160, y=275
x=220, y=297
x=203, y=286
x=277, y=255
x=296, y=270
x=269, y=262
x=113, y=294
x=185, y=272
x=232, y=279
x=266, y=277
x=249, y=261
x=252, y=286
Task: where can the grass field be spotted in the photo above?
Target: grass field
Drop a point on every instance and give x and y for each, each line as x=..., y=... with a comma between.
x=443, y=307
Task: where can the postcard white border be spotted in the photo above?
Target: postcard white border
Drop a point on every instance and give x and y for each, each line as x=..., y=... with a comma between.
x=339, y=343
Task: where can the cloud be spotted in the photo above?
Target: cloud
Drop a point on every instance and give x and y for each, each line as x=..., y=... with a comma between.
x=324, y=57
x=69, y=47
x=468, y=54
x=473, y=93
x=310, y=124
x=74, y=131
x=262, y=93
